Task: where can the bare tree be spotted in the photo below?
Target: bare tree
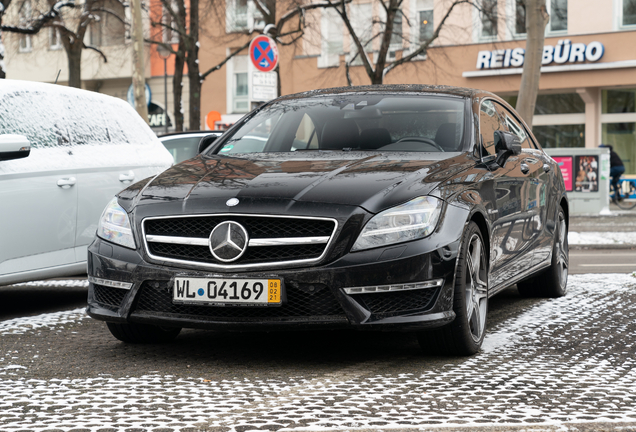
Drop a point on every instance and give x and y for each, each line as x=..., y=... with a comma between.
x=31, y=27
x=184, y=21
x=385, y=32
x=536, y=19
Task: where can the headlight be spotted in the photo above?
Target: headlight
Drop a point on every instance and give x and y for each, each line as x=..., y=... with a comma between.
x=114, y=225
x=411, y=221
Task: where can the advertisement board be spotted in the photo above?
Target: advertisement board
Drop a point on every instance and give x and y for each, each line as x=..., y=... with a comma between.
x=565, y=163
x=586, y=179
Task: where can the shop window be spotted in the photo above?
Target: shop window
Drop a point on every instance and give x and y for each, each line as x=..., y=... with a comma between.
x=331, y=40
x=622, y=137
x=25, y=16
x=559, y=136
x=488, y=18
x=564, y=103
x=629, y=13
x=558, y=15
x=619, y=101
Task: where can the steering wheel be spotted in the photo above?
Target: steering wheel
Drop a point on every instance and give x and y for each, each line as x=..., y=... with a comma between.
x=420, y=139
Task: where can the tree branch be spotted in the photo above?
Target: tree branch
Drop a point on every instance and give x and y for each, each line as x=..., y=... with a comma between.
x=228, y=58
x=36, y=25
x=100, y=52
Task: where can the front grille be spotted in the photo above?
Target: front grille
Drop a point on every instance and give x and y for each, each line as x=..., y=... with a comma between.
x=398, y=302
x=319, y=304
x=108, y=296
x=257, y=227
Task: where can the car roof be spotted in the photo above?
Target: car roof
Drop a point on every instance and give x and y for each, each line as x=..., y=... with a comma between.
x=392, y=89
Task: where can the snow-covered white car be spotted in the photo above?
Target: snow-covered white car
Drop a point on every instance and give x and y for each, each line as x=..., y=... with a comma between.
x=64, y=154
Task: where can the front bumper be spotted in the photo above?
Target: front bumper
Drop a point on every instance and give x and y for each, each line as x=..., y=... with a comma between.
x=313, y=296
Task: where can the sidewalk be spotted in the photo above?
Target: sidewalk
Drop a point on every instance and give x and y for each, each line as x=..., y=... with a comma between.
x=614, y=231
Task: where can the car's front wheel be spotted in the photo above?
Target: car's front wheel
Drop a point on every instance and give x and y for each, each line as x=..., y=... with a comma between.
x=142, y=333
x=465, y=334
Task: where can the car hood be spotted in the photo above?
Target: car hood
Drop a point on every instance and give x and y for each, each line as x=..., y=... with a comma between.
x=373, y=181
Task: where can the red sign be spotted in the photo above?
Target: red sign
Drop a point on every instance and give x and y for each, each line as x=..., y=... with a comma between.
x=565, y=163
x=264, y=53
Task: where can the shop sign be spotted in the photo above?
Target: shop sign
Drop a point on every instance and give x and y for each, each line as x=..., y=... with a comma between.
x=564, y=52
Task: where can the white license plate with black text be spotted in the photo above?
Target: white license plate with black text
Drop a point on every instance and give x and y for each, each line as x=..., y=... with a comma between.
x=225, y=291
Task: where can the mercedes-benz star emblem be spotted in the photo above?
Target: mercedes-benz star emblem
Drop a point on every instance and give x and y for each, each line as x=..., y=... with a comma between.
x=228, y=241
x=232, y=202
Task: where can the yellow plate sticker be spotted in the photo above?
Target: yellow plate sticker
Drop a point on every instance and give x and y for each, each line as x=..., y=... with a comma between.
x=273, y=291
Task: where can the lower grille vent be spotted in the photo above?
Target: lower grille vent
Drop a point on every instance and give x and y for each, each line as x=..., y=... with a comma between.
x=109, y=296
x=398, y=302
x=300, y=304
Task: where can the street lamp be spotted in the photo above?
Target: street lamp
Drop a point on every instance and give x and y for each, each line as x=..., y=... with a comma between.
x=165, y=54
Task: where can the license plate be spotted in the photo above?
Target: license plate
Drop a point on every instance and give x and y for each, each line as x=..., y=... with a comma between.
x=223, y=291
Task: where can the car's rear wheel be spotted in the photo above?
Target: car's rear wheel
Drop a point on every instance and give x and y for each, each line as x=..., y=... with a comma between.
x=465, y=334
x=142, y=333
x=553, y=281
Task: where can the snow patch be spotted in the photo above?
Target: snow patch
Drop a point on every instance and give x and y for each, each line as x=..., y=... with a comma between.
x=589, y=238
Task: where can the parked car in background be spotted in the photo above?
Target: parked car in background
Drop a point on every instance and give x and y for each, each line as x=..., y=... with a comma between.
x=185, y=145
x=64, y=153
x=382, y=207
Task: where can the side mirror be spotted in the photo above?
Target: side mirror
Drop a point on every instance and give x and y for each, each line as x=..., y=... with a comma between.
x=205, y=142
x=14, y=147
x=506, y=144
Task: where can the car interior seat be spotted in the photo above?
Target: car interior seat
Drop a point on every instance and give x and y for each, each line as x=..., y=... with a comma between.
x=446, y=137
x=374, y=138
x=340, y=133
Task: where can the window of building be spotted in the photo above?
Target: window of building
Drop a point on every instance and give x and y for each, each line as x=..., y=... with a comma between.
x=55, y=42
x=361, y=15
x=332, y=38
x=628, y=17
x=109, y=28
x=618, y=118
x=396, y=35
x=25, y=16
x=170, y=33
x=240, y=85
x=520, y=17
x=558, y=15
x=243, y=15
x=557, y=136
x=488, y=18
x=423, y=16
x=618, y=101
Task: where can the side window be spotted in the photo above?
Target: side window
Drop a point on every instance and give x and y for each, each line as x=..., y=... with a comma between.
x=305, y=137
x=517, y=129
x=490, y=120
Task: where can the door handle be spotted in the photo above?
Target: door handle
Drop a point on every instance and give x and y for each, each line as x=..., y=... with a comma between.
x=127, y=177
x=66, y=182
x=525, y=168
x=546, y=167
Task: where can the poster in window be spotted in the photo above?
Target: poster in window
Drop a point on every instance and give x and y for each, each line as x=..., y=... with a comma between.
x=565, y=164
x=586, y=179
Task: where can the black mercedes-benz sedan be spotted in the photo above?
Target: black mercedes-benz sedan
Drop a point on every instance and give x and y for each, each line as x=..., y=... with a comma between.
x=400, y=208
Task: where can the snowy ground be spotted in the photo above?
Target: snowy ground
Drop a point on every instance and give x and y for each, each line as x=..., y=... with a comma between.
x=601, y=238
x=564, y=360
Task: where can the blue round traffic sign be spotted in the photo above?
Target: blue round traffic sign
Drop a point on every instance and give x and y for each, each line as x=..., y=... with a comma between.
x=264, y=53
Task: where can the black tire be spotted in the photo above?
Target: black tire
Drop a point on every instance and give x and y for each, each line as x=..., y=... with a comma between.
x=142, y=333
x=465, y=334
x=553, y=281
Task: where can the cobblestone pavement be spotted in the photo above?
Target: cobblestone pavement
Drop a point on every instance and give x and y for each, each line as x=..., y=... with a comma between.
x=557, y=364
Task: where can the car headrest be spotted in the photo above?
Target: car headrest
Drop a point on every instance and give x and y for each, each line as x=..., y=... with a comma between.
x=338, y=134
x=374, y=138
x=446, y=137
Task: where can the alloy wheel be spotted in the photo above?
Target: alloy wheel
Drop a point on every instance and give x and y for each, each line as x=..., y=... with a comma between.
x=562, y=252
x=476, y=288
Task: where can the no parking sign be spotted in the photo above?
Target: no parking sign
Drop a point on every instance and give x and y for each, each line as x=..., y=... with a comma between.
x=264, y=53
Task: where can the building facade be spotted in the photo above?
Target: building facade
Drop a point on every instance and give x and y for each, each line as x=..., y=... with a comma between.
x=588, y=82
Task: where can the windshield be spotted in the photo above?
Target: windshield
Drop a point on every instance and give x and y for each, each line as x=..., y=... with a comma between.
x=353, y=122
